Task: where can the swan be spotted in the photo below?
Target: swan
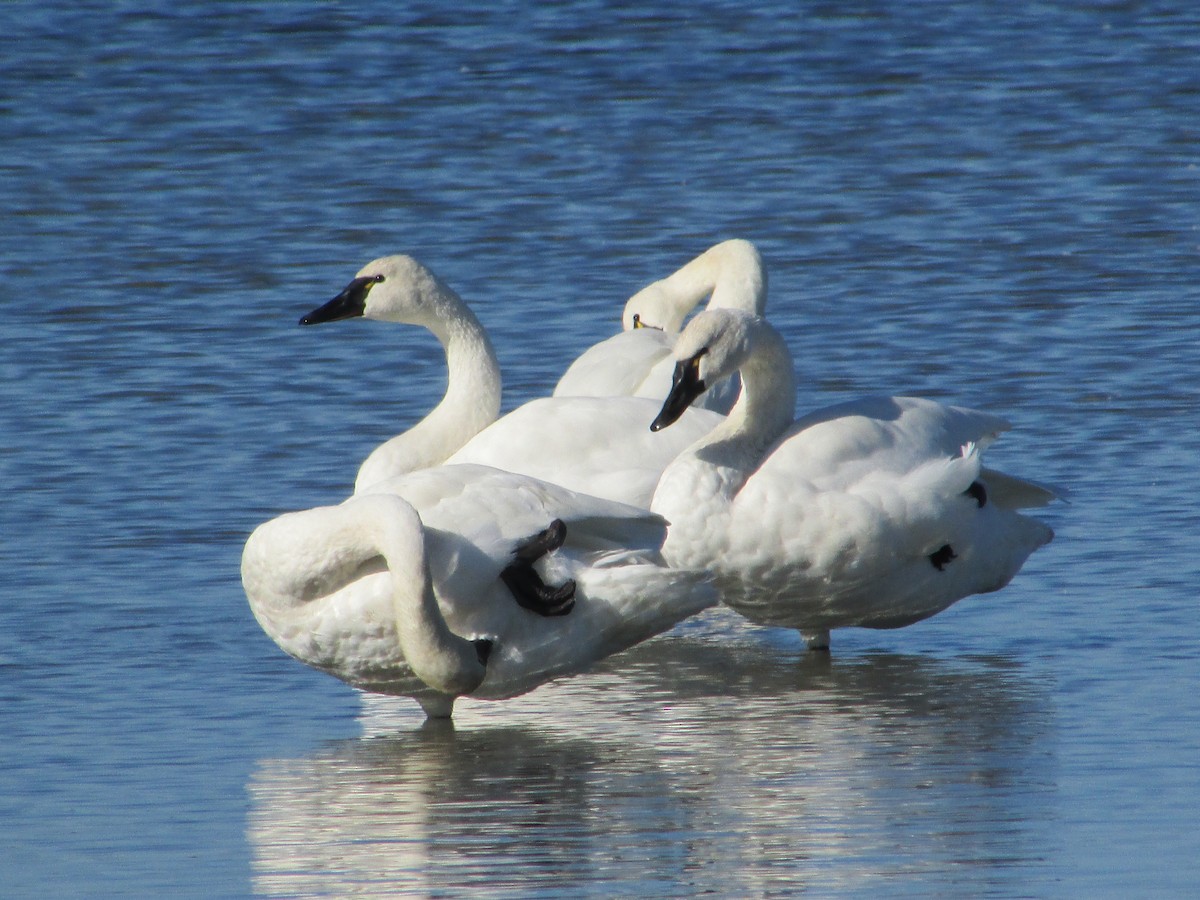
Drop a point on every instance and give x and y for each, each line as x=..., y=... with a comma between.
x=637, y=361
x=592, y=445
x=874, y=513
x=400, y=289
x=417, y=587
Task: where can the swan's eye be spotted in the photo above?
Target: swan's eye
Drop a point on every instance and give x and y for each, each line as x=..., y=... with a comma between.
x=377, y=279
x=637, y=321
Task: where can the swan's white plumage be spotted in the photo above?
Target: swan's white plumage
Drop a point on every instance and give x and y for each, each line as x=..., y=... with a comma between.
x=601, y=446
x=637, y=361
x=329, y=601
x=831, y=520
x=589, y=445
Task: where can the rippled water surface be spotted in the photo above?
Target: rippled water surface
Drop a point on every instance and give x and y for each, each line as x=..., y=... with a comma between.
x=998, y=209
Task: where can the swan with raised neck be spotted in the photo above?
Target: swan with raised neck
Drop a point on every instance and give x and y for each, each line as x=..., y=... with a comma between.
x=875, y=512
x=400, y=289
x=593, y=445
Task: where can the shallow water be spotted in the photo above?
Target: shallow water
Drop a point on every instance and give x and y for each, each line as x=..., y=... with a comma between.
x=995, y=210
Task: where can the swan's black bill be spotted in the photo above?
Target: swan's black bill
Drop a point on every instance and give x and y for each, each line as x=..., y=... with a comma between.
x=349, y=304
x=686, y=386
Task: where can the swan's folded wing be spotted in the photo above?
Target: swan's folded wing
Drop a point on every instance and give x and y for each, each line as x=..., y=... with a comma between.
x=615, y=367
x=492, y=508
x=594, y=445
x=1010, y=492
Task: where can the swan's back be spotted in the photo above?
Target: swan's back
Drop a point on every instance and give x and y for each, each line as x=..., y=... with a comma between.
x=617, y=366
x=600, y=446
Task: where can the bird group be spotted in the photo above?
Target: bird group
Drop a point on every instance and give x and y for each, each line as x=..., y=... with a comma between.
x=482, y=555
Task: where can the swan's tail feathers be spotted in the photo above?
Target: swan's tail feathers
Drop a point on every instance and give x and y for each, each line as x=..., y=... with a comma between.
x=605, y=534
x=1010, y=492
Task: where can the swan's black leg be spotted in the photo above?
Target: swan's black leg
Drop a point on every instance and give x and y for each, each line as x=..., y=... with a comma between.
x=527, y=586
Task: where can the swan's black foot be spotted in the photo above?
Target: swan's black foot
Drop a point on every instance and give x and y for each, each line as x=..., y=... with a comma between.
x=941, y=556
x=527, y=586
x=978, y=492
x=534, y=548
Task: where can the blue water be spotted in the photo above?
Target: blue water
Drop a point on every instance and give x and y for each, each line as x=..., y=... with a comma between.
x=997, y=208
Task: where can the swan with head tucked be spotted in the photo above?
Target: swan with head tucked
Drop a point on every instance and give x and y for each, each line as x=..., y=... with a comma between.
x=409, y=589
x=593, y=445
x=873, y=513
x=637, y=361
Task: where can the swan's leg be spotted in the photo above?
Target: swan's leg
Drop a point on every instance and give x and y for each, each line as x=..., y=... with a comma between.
x=816, y=639
x=527, y=586
x=437, y=706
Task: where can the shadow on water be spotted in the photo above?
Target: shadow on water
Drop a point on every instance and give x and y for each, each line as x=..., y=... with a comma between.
x=688, y=767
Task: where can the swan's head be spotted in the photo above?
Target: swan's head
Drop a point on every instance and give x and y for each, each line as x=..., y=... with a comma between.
x=392, y=289
x=653, y=307
x=712, y=347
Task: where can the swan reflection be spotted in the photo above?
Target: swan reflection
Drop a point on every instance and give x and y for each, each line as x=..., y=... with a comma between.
x=701, y=762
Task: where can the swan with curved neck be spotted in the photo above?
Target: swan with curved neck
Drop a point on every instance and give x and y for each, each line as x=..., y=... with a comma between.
x=297, y=569
x=637, y=361
x=593, y=445
x=400, y=289
x=874, y=513
x=403, y=589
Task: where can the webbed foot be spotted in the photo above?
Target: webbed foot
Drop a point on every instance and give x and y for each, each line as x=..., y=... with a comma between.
x=527, y=586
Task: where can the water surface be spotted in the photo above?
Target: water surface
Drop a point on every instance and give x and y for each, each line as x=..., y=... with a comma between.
x=995, y=209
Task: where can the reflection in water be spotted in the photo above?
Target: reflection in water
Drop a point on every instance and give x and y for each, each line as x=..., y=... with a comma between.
x=689, y=765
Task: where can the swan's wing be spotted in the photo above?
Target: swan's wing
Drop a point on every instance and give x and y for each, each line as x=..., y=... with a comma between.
x=600, y=446
x=836, y=445
x=615, y=367
x=493, y=509
x=1010, y=492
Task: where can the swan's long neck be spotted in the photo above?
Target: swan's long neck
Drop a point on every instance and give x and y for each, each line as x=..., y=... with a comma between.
x=741, y=278
x=470, y=404
x=304, y=558
x=764, y=410
x=440, y=658
x=732, y=272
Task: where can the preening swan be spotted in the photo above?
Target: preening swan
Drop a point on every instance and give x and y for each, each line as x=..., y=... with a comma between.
x=404, y=589
x=596, y=446
x=874, y=513
x=637, y=361
x=400, y=289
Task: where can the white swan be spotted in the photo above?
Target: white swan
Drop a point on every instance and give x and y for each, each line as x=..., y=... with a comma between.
x=596, y=446
x=637, y=361
x=412, y=590
x=400, y=289
x=874, y=513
